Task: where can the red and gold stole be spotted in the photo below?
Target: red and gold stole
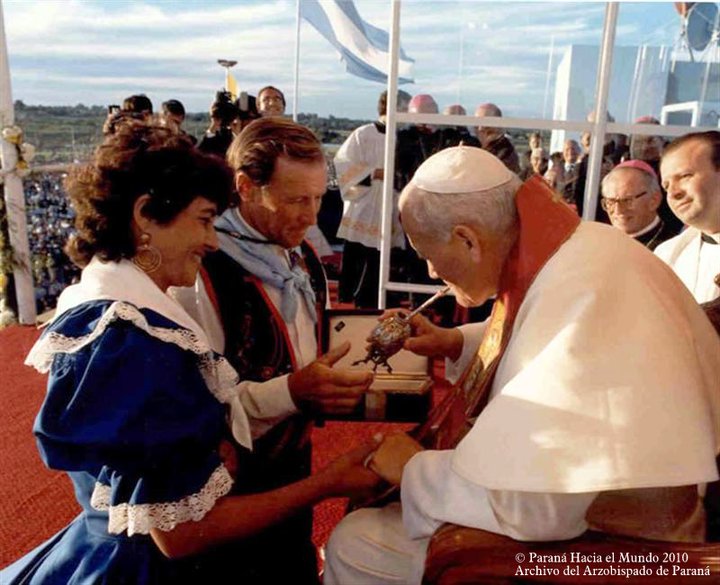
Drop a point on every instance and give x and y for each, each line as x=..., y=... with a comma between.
x=546, y=222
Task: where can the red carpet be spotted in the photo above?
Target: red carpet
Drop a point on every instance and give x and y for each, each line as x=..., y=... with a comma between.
x=37, y=502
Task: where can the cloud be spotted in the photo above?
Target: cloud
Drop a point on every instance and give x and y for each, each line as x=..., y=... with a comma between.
x=60, y=17
x=98, y=51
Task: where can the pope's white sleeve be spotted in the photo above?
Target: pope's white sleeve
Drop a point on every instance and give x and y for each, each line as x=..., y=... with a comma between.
x=472, y=335
x=433, y=494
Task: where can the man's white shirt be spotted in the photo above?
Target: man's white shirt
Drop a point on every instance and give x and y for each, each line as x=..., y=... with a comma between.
x=266, y=403
x=696, y=263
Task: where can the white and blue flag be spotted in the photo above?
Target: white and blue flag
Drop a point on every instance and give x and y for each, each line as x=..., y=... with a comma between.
x=362, y=46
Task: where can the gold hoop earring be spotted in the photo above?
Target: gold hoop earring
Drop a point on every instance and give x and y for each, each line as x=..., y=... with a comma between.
x=147, y=257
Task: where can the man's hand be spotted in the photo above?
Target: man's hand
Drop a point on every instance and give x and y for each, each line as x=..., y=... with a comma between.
x=320, y=388
x=394, y=452
x=428, y=339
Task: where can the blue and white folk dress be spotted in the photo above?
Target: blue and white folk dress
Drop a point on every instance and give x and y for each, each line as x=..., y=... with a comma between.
x=135, y=412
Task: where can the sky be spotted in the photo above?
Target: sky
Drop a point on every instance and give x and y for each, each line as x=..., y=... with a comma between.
x=96, y=52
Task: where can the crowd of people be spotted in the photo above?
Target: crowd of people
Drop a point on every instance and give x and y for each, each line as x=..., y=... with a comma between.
x=50, y=218
x=356, y=172
x=628, y=167
x=50, y=224
x=186, y=369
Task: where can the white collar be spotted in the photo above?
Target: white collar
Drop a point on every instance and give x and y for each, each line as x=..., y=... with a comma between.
x=123, y=281
x=127, y=286
x=651, y=226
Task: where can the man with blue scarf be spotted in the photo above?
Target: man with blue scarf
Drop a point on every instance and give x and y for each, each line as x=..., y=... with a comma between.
x=260, y=299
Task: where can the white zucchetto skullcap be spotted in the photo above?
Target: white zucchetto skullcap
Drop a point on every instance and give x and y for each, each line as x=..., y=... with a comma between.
x=461, y=169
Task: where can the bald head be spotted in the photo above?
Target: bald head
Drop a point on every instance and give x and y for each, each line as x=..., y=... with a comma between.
x=591, y=116
x=454, y=110
x=571, y=151
x=485, y=134
x=488, y=109
x=423, y=103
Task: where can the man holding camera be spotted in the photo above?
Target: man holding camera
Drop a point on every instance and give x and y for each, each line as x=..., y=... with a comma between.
x=134, y=107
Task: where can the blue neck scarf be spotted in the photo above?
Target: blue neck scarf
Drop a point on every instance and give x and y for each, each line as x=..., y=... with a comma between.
x=263, y=261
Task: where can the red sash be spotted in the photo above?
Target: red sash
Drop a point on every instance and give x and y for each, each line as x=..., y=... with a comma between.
x=546, y=222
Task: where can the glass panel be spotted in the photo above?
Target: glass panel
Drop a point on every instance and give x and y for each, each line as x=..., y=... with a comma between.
x=534, y=60
x=666, y=64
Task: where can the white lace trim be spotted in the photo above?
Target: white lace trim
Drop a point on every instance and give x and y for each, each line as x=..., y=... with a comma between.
x=217, y=372
x=141, y=518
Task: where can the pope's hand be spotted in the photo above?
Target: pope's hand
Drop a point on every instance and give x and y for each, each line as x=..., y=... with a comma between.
x=430, y=340
x=348, y=475
x=321, y=388
x=394, y=452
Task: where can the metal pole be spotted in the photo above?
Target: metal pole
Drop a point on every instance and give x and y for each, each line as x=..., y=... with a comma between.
x=297, y=62
x=597, y=143
x=388, y=200
x=14, y=195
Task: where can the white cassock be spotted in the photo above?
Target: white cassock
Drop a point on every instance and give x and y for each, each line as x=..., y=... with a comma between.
x=608, y=387
x=355, y=161
x=697, y=263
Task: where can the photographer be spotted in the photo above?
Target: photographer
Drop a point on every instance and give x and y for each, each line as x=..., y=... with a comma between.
x=135, y=107
x=223, y=114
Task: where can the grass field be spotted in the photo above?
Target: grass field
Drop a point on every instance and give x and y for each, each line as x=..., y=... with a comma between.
x=63, y=134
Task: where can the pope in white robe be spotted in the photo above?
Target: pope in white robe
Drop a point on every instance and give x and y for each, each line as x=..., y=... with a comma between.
x=603, y=412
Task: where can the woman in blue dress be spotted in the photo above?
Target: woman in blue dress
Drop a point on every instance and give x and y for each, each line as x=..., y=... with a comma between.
x=138, y=406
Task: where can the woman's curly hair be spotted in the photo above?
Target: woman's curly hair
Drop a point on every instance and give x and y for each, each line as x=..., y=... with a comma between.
x=138, y=159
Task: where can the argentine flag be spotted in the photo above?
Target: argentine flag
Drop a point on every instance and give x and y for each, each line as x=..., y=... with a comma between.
x=362, y=46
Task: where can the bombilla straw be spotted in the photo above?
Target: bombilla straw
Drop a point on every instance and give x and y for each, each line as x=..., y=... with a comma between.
x=441, y=293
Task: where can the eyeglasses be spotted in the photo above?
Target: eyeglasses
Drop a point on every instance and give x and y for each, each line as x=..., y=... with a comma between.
x=625, y=203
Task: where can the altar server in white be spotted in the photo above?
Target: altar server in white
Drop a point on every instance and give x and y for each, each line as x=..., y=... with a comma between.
x=360, y=163
x=601, y=375
x=690, y=170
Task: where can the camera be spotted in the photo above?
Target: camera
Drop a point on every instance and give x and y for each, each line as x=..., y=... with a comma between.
x=113, y=109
